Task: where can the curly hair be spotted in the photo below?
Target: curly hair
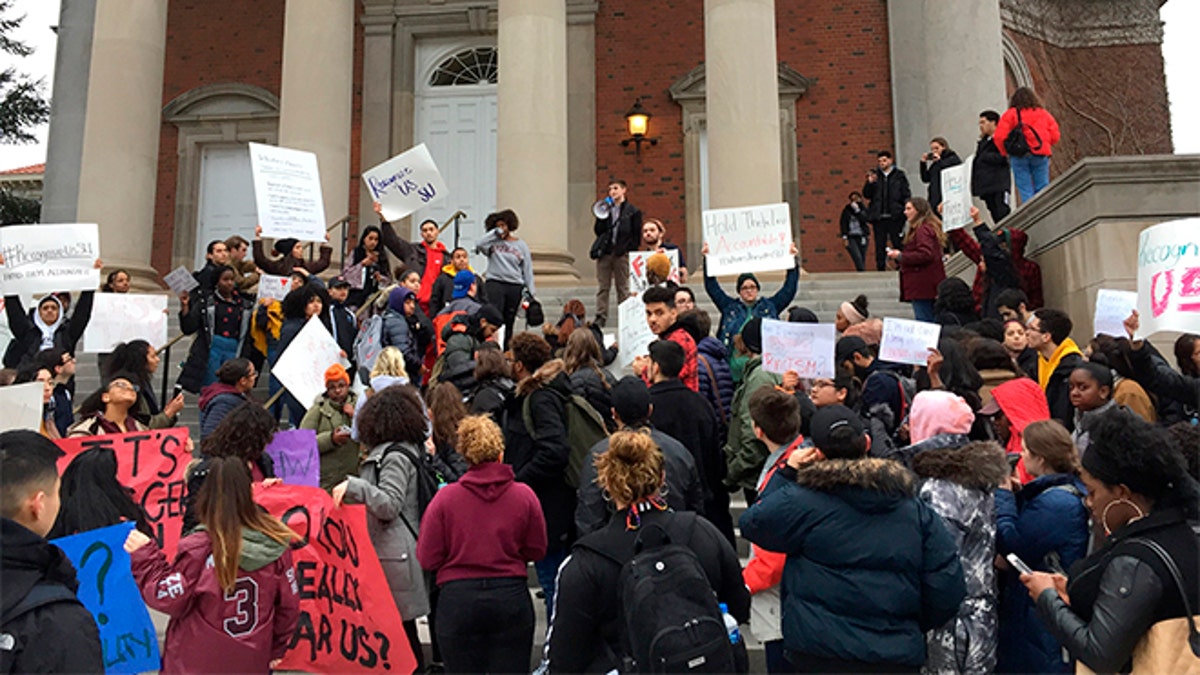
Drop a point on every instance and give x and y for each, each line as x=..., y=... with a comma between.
x=294, y=303
x=1187, y=435
x=1024, y=98
x=507, y=216
x=446, y=409
x=393, y=414
x=1049, y=441
x=632, y=467
x=244, y=432
x=987, y=354
x=531, y=350
x=479, y=439
x=131, y=357
x=1144, y=458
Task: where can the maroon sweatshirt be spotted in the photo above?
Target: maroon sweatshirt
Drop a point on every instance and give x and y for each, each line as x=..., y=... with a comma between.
x=484, y=526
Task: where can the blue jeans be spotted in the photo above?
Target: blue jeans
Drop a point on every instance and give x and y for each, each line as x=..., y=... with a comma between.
x=1031, y=174
x=923, y=310
x=547, y=574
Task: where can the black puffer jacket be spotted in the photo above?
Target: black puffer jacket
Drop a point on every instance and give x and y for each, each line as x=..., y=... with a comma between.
x=596, y=386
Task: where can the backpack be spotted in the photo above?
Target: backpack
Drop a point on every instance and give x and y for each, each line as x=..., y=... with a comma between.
x=42, y=594
x=1015, y=144
x=429, y=480
x=585, y=428
x=369, y=343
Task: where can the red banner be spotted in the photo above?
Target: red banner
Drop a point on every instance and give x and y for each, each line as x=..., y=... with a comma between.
x=348, y=620
x=152, y=464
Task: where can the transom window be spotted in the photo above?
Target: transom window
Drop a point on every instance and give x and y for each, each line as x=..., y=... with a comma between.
x=468, y=67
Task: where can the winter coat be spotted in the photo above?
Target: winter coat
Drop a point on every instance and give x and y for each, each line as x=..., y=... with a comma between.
x=958, y=485
x=887, y=194
x=1156, y=375
x=585, y=635
x=989, y=170
x=1129, y=394
x=905, y=455
x=596, y=386
x=396, y=333
x=27, y=336
x=932, y=173
x=628, y=232
x=442, y=292
x=492, y=397
x=1084, y=421
x=745, y=454
x=685, y=416
x=387, y=484
x=1046, y=525
x=200, y=321
x=1041, y=130
x=337, y=461
x=484, y=526
x=855, y=529
x=282, y=267
x=716, y=380
x=735, y=313
x=921, y=268
x=216, y=401
x=58, y=637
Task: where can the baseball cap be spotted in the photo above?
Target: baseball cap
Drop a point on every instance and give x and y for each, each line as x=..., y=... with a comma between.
x=832, y=417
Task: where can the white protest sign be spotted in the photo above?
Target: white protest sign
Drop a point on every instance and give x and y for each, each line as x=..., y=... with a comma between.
x=301, y=368
x=956, y=196
x=287, y=191
x=121, y=317
x=637, y=269
x=180, y=280
x=906, y=341
x=405, y=183
x=1112, y=308
x=634, y=335
x=806, y=348
x=22, y=406
x=49, y=258
x=748, y=239
x=1169, y=277
x=273, y=287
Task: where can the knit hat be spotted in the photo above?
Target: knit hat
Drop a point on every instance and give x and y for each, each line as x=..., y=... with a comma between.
x=462, y=283
x=397, y=297
x=802, y=315
x=336, y=372
x=832, y=417
x=743, y=277
x=631, y=399
x=284, y=246
x=752, y=335
x=490, y=313
x=659, y=265
x=938, y=412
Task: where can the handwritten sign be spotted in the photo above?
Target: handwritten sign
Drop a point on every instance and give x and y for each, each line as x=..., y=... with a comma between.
x=633, y=333
x=748, y=239
x=405, y=183
x=273, y=287
x=22, y=406
x=956, y=196
x=1169, y=277
x=348, y=621
x=806, y=348
x=1112, y=308
x=107, y=589
x=287, y=191
x=906, y=341
x=637, y=269
x=297, y=460
x=121, y=317
x=153, y=465
x=301, y=368
x=181, y=281
x=49, y=258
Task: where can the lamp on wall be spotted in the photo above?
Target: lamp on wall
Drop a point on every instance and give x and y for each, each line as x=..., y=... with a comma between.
x=638, y=120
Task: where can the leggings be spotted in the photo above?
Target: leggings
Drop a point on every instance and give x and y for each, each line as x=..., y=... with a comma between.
x=486, y=625
x=505, y=297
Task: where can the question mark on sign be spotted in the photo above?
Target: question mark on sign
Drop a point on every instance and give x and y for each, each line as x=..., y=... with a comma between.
x=101, y=618
x=384, y=646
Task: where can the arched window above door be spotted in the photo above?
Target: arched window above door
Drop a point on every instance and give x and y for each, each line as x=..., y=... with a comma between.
x=468, y=67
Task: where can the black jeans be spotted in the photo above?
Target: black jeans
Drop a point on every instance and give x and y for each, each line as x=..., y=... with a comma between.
x=485, y=625
x=997, y=205
x=887, y=229
x=857, y=248
x=505, y=297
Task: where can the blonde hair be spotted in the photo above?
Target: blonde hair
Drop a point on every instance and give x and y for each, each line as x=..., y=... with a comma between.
x=390, y=362
x=632, y=467
x=479, y=439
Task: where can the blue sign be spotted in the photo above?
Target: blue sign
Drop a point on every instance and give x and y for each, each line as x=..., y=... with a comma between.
x=108, y=590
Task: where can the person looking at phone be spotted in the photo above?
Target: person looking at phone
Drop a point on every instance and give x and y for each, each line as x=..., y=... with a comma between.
x=330, y=417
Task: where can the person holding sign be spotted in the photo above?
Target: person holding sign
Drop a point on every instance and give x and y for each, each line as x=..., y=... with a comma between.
x=426, y=257
x=920, y=262
x=654, y=238
x=939, y=158
x=1156, y=375
x=235, y=573
x=48, y=327
x=292, y=256
x=510, y=266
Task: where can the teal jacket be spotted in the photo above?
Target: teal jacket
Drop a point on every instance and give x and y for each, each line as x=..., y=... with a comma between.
x=735, y=313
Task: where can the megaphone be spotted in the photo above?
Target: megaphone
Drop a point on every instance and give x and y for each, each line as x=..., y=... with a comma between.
x=603, y=208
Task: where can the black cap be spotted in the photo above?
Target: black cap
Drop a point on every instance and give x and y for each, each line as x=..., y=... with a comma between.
x=339, y=282
x=847, y=347
x=631, y=399
x=833, y=417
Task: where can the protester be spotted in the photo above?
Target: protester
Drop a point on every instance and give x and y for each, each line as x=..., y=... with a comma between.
x=235, y=381
x=46, y=629
x=140, y=359
x=1026, y=120
x=109, y=409
x=48, y=326
x=389, y=371
x=588, y=632
x=443, y=287
x=1049, y=334
x=494, y=386
x=995, y=365
x=920, y=261
x=1015, y=405
x=685, y=299
x=1091, y=387
x=712, y=368
x=1139, y=492
x=291, y=252
x=298, y=307
x=117, y=281
x=239, y=547
x=735, y=312
x=462, y=304
x=855, y=231
x=330, y=417
x=662, y=318
x=1014, y=305
x=92, y=497
x=391, y=426
x=31, y=373
x=990, y=178
x=616, y=235
x=1115, y=354
x=1156, y=375
x=477, y=535
x=244, y=433
x=1016, y=342
x=245, y=270
x=400, y=329
x=939, y=158
x=996, y=266
x=573, y=317
x=938, y=420
x=841, y=390
x=1045, y=524
x=219, y=319
x=744, y=453
x=654, y=238
x=954, y=305
x=61, y=366
x=445, y=408
x=851, y=313
x=581, y=359
x=342, y=324
x=424, y=259
x=510, y=267
x=368, y=266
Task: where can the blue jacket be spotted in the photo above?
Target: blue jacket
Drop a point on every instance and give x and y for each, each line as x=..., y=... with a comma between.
x=719, y=393
x=735, y=313
x=1044, y=518
x=870, y=567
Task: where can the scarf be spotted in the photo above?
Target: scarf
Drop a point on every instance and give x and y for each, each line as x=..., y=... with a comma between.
x=1046, y=367
x=48, y=330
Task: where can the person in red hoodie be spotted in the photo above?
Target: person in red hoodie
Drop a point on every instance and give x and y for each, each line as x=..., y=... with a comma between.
x=231, y=592
x=426, y=257
x=477, y=534
x=1015, y=405
x=1031, y=168
x=661, y=316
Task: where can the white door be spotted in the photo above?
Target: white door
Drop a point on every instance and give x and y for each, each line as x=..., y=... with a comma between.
x=226, y=196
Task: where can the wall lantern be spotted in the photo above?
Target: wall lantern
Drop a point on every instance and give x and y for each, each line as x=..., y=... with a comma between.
x=639, y=124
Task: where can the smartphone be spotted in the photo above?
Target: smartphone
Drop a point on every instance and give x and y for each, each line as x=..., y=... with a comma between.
x=1018, y=563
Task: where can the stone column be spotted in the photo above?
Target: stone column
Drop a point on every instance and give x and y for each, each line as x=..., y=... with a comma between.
x=118, y=173
x=531, y=130
x=315, y=94
x=742, y=98
x=68, y=110
x=379, y=28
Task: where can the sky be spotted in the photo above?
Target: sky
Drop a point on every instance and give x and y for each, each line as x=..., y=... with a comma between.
x=1181, y=51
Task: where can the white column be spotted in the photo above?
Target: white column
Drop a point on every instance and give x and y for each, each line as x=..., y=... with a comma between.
x=315, y=94
x=742, y=98
x=531, y=129
x=375, y=146
x=119, y=165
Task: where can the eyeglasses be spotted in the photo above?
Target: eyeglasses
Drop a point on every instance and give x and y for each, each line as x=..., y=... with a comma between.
x=748, y=287
x=122, y=384
x=817, y=384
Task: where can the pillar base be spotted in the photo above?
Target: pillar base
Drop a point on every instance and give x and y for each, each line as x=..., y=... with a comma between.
x=554, y=266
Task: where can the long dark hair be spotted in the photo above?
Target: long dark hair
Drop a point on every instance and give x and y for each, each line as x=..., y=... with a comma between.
x=1185, y=346
x=93, y=498
x=295, y=302
x=131, y=357
x=447, y=410
x=1024, y=98
x=360, y=251
x=94, y=403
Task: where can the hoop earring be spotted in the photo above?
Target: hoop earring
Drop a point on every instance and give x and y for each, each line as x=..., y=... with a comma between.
x=1104, y=514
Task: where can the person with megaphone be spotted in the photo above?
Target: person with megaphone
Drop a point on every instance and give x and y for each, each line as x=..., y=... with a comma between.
x=618, y=229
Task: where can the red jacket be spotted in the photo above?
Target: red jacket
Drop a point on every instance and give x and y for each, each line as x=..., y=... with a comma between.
x=921, y=268
x=1041, y=130
x=211, y=631
x=690, y=375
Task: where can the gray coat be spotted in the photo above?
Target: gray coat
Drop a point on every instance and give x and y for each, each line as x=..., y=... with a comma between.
x=388, y=487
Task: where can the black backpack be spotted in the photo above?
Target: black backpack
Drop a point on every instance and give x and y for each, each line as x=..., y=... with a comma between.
x=42, y=594
x=1015, y=144
x=428, y=479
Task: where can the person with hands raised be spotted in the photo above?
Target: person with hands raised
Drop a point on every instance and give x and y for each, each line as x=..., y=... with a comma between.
x=291, y=252
x=1153, y=372
x=48, y=327
x=426, y=257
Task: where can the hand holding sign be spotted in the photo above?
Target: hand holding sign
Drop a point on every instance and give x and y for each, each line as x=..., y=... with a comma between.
x=1169, y=277
x=1112, y=309
x=748, y=239
x=906, y=341
x=405, y=183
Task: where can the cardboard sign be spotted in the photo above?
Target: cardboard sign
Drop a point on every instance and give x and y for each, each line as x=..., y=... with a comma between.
x=1112, y=308
x=108, y=590
x=634, y=335
x=49, y=258
x=121, y=317
x=152, y=464
x=906, y=341
x=287, y=191
x=748, y=239
x=806, y=348
x=301, y=368
x=405, y=183
x=181, y=281
x=22, y=406
x=1169, y=277
x=956, y=196
x=297, y=460
x=637, y=269
x=273, y=287
x=348, y=619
